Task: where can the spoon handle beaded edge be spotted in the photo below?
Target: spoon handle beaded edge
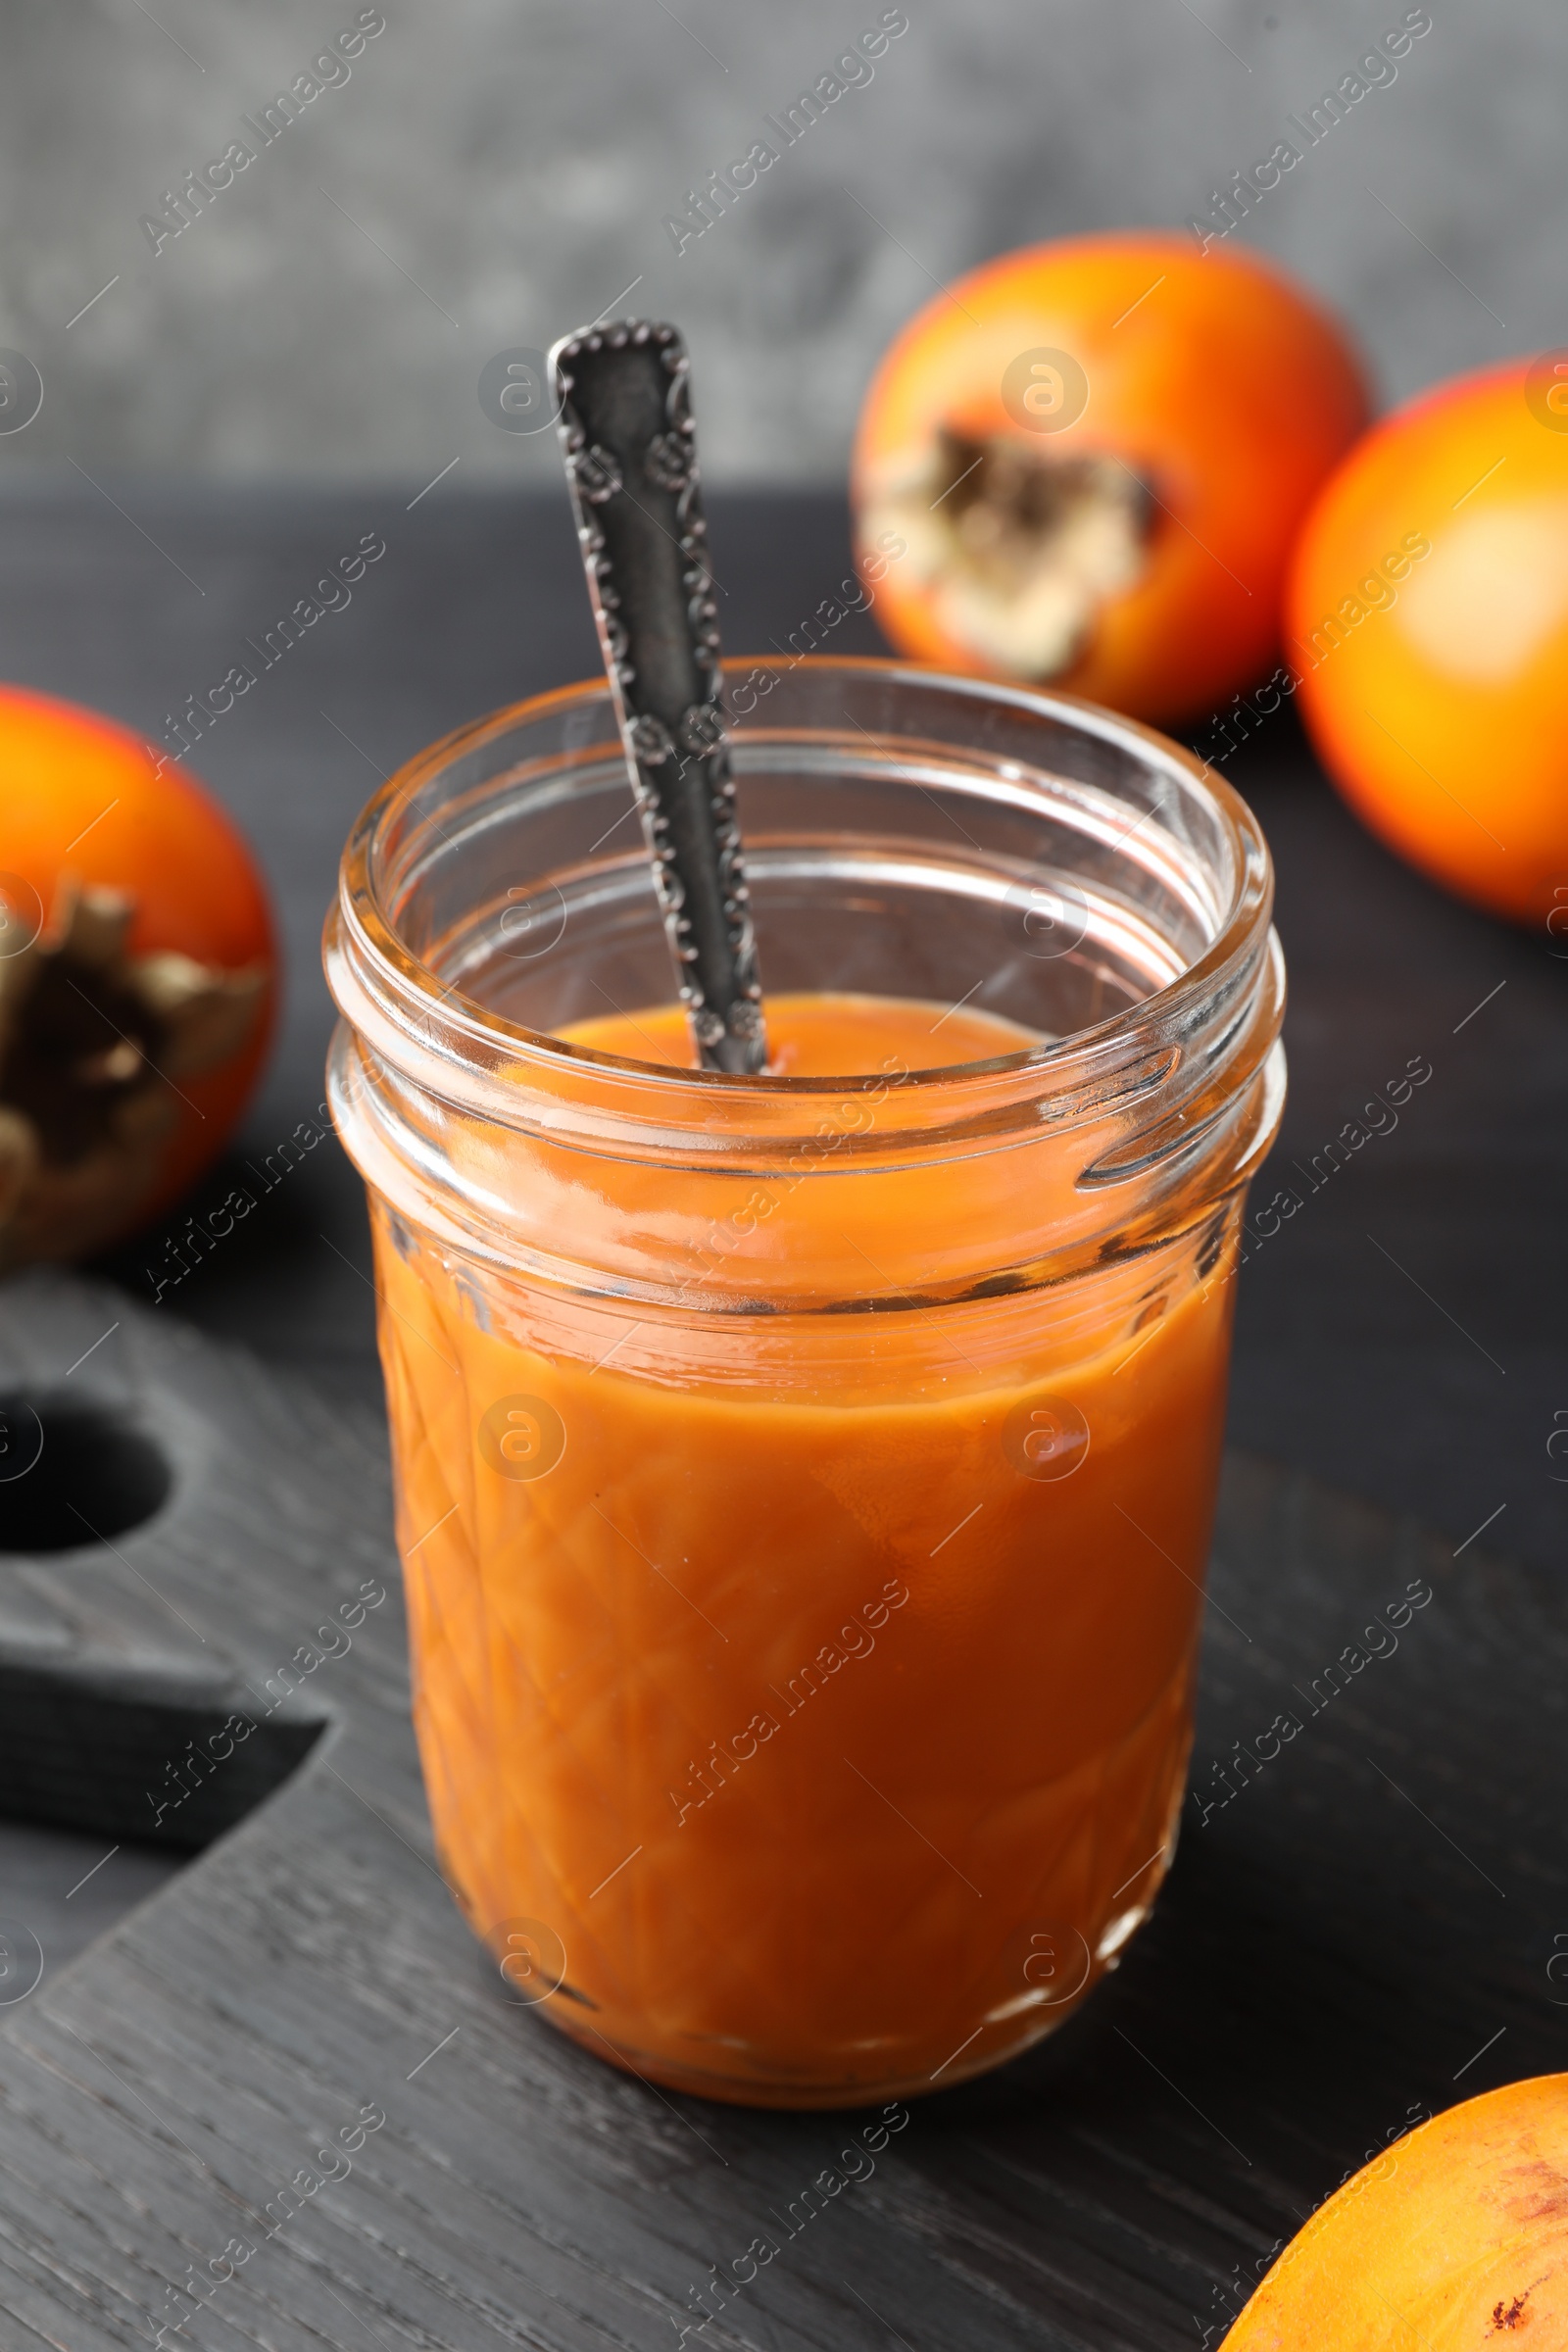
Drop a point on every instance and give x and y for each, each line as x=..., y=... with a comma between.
x=629, y=445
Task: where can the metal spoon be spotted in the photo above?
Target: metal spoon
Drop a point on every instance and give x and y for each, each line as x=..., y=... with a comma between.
x=630, y=450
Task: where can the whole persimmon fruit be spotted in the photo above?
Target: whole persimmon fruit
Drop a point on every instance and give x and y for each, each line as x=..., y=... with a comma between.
x=1085, y=465
x=1427, y=616
x=136, y=979
x=1454, y=2238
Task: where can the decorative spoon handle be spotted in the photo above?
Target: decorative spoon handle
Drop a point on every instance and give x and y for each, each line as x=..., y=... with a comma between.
x=630, y=449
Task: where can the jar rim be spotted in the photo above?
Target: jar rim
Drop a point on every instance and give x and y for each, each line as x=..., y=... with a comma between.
x=360, y=909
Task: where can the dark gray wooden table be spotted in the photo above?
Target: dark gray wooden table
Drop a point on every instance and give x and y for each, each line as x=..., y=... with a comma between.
x=1440, y=1405
x=1333, y=1951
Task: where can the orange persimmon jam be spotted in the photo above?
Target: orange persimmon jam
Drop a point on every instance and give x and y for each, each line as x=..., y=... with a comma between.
x=804, y=1482
x=811, y=1736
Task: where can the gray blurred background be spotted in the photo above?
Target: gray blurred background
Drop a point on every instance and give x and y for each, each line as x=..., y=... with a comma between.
x=493, y=173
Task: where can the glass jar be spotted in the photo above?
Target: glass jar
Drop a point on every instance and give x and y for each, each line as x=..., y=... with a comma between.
x=804, y=1486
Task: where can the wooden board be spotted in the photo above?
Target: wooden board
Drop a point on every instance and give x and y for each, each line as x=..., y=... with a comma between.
x=1367, y=1929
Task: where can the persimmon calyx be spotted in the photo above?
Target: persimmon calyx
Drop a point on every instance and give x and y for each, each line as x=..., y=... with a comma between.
x=1018, y=548
x=93, y=1044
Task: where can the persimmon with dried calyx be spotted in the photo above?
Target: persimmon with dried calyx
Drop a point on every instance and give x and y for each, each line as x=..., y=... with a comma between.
x=136, y=979
x=1452, y=2239
x=1427, y=618
x=1097, y=455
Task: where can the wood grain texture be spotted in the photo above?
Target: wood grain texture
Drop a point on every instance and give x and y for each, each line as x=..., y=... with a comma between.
x=1333, y=1947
